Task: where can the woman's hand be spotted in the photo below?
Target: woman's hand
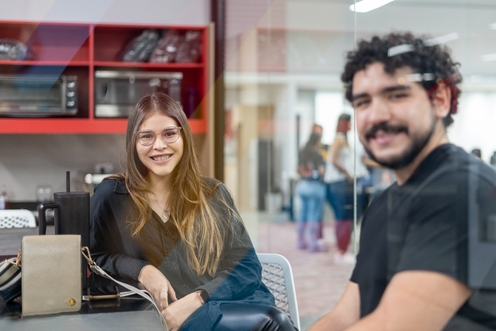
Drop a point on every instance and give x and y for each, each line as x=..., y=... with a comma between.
x=180, y=310
x=158, y=285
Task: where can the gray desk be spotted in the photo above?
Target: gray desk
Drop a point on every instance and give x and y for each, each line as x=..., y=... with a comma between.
x=10, y=239
x=124, y=314
x=118, y=321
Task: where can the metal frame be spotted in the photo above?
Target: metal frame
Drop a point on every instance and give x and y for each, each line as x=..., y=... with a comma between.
x=277, y=275
x=17, y=218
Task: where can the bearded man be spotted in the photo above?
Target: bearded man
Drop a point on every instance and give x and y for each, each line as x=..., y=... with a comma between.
x=414, y=269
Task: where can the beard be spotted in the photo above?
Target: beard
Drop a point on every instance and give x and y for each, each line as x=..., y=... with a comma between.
x=418, y=142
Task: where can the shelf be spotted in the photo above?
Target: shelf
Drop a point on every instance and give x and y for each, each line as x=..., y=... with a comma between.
x=44, y=63
x=75, y=125
x=79, y=49
x=61, y=125
x=50, y=41
x=149, y=65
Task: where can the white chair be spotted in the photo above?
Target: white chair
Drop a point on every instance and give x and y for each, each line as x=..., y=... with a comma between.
x=277, y=275
x=17, y=218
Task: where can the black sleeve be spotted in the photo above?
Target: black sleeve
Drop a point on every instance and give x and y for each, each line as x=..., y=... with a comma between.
x=111, y=246
x=240, y=272
x=437, y=235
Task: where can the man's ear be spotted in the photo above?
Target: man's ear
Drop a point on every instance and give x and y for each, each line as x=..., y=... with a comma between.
x=441, y=100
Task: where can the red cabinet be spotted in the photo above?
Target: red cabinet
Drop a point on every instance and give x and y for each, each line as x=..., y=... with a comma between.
x=80, y=49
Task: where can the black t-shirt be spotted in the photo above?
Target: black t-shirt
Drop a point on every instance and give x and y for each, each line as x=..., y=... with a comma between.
x=424, y=225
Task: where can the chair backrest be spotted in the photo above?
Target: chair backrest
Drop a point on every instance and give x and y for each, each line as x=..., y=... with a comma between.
x=17, y=218
x=277, y=275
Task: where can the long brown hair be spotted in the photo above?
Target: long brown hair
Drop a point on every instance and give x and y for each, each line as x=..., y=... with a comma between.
x=343, y=123
x=190, y=204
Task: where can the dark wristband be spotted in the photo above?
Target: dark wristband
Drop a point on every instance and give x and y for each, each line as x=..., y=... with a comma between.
x=204, y=295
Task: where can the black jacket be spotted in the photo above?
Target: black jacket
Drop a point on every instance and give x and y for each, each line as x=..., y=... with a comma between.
x=117, y=252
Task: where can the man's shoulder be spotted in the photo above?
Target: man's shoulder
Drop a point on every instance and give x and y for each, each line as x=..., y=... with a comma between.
x=378, y=203
x=455, y=166
x=391, y=189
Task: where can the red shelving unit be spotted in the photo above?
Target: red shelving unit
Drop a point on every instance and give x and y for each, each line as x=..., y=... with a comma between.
x=80, y=49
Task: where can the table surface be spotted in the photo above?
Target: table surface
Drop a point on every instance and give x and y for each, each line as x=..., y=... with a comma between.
x=127, y=313
x=120, y=314
x=10, y=239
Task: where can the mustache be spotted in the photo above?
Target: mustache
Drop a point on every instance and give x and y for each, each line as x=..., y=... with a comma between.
x=388, y=128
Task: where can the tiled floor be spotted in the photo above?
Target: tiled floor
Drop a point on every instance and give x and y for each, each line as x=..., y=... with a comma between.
x=319, y=281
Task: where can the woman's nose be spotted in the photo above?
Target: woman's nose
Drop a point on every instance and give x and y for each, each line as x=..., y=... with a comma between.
x=159, y=142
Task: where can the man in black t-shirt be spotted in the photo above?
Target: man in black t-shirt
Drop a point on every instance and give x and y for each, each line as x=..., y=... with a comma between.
x=417, y=268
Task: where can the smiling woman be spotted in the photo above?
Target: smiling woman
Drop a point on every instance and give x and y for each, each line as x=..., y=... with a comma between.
x=159, y=156
x=177, y=233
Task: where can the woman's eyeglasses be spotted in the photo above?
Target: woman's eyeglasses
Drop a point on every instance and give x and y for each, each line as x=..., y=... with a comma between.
x=169, y=135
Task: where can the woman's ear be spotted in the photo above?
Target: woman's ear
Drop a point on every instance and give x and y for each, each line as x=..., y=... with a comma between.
x=441, y=100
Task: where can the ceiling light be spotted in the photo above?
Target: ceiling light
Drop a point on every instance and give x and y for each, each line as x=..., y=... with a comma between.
x=405, y=48
x=489, y=57
x=368, y=5
x=400, y=49
x=493, y=26
x=442, y=39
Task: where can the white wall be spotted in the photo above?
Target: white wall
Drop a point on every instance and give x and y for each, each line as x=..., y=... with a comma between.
x=328, y=106
x=170, y=12
x=475, y=123
x=29, y=160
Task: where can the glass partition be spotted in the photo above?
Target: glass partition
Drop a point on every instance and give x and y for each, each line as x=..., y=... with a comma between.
x=284, y=61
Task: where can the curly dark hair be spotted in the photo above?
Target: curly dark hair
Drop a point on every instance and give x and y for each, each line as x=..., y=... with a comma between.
x=420, y=55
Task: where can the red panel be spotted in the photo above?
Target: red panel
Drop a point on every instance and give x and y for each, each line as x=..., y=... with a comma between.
x=177, y=66
x=76, y=126
x=76, y=49
x=61, y=125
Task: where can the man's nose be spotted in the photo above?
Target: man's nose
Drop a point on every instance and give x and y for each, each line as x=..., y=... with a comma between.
x=379, y=111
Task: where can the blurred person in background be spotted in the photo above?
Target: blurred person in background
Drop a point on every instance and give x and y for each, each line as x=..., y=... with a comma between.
x=324, y=148
x=339, y=186
x=311, y=191
x=477, y=153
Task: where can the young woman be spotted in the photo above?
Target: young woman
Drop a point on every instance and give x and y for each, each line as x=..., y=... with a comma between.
x=311, y=191
x=177, y=233
x=339, y=179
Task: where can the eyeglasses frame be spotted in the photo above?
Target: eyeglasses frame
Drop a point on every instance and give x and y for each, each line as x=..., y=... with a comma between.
x=161, y=136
